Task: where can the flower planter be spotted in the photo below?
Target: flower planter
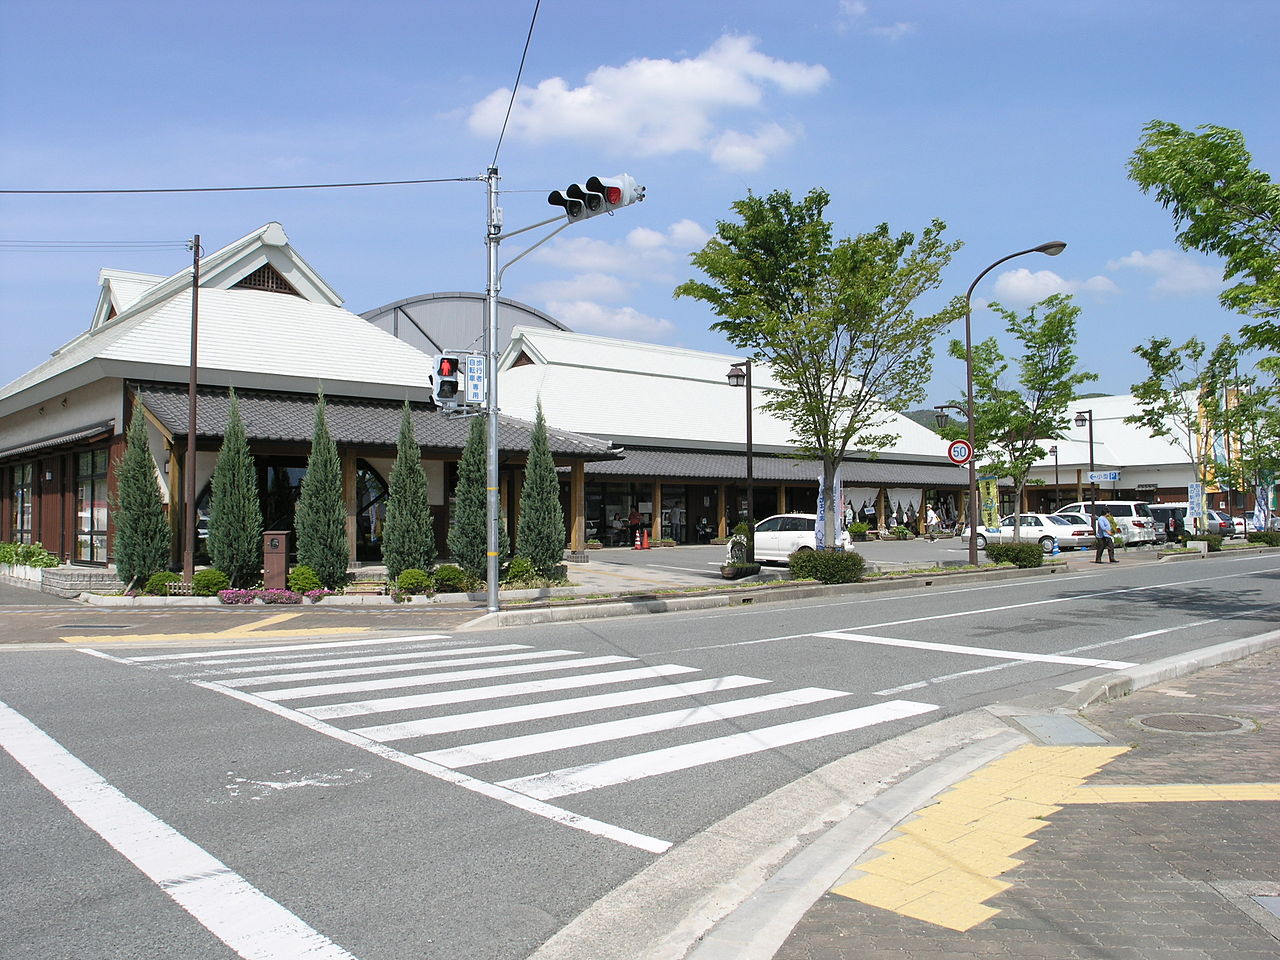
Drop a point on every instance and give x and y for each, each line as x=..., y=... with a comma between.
x=738, y=571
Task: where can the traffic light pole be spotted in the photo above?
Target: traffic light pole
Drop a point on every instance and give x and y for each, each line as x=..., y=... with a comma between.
x=492, y=239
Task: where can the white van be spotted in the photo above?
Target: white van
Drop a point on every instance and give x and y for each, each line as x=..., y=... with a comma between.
x=1132, y=517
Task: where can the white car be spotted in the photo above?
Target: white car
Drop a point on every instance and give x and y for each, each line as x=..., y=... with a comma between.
x=1041, y=528
x=779, y=536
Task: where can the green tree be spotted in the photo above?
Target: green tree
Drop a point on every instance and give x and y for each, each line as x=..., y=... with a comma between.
x=540, y=533
x=468, y=536
x=1223, y=206
x=833, y=320
x=408, y=539
x=1010, y=420
x=320, y=519
x=143, y=540
x=235, y=513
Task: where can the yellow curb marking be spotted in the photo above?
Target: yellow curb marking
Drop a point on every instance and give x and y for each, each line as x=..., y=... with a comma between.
x=941, y=866
x=242, y=631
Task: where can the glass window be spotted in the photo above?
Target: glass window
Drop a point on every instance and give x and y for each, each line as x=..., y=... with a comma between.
x=91, y=507
x=770, y=525
x=20, y=513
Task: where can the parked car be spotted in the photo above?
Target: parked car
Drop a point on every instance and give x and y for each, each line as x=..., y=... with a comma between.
x=1039, y=528
x=1174, y=518
x=1251, y=521
x=779, y=536
x=1220, y=523
x=1133, y=517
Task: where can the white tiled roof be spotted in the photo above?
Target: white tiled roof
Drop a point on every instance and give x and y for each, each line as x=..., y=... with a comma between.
x=1115, y=443
x=126, y=287
x=639, y=392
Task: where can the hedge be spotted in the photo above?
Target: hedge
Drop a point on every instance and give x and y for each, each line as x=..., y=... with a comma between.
x=1019, y=554
x=827, y=566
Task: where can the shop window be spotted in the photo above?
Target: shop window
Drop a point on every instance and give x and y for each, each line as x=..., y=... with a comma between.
x=91, y=507
x=20, y=516
x=371, y=511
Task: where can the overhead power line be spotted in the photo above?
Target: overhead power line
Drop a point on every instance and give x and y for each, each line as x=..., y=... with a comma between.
x=516, y=86
x=88, y=246
x=285, y=186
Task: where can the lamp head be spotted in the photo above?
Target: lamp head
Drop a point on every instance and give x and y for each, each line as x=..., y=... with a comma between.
x=736, y=376
x=1081, y=419
x=1052, y=248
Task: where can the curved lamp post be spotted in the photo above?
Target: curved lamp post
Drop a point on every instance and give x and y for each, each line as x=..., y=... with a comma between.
x=739, y=375
x=1052, y=249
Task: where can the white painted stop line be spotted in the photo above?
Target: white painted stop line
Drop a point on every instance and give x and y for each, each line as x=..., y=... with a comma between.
x=228, y=906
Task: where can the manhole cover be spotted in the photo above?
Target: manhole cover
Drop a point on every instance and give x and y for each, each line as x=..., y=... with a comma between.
x=1191, y=723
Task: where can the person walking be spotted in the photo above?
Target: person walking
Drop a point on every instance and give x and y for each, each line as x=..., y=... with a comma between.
x=1105, y=528
x=931, y=521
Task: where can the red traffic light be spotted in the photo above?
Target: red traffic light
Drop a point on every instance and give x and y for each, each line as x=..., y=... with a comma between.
x=448, y=367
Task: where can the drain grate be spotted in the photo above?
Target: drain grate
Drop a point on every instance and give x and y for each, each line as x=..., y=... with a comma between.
x=1191, y=723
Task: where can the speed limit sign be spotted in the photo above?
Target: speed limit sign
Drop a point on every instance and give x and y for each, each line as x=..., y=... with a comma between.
x=960, y=452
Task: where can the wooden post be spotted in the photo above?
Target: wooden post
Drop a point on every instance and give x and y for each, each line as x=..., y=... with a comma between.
x=349, y=498
x=577, y=506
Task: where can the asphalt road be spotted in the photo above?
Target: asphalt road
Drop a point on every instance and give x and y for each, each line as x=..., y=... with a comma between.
x=288, y=776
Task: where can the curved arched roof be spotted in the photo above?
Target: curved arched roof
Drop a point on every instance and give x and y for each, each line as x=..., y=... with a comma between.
x=439, y=322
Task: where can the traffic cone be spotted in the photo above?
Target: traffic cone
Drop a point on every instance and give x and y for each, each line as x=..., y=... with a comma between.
x=637, y=546
x=644, y=540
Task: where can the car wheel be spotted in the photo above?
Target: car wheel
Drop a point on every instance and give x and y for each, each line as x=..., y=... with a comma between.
x=980, y=541
x=1046, y=544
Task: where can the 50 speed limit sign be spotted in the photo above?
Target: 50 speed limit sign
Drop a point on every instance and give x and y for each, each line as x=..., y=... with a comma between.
x=960, y=452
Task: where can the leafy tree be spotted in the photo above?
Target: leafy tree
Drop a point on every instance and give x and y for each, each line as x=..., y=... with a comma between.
x=833, y=320
x=1244, y=416
x=235, y=515
x=1010, y=420
x=468, y=533
x=142, y=541
x=540, y=534
x=408, y=540
x=320, y=519
x=1223, y=206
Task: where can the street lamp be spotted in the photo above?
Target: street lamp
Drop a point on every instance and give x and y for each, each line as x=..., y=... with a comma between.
x=1051, y=249
x=942, y=419
x=1083, y=417
x=1057, y=493
x=739, y=375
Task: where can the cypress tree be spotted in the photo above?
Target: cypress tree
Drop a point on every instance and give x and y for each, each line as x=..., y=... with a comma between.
x=540, y=533
x=468, y=539
x=142, y=536
x=235, y=514
x=320, y=521
x=408, y=539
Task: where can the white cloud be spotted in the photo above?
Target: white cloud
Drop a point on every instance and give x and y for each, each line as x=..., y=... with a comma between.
x=583, y=286
x=894, y=31
x=1176, y=274
x=652, y=107
x=1022, y=286
x=587, y=316
x=638, y=254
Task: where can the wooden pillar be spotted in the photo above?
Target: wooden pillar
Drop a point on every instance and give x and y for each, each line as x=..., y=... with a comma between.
x=655, y=522
x=1079, y=484
x=349, y=498
x=782, y=498
x=577, y=506
x=175, y=481
x=722, y=521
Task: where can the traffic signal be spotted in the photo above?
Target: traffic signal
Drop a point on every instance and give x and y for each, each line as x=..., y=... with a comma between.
x=445, y=388
x=599, y=195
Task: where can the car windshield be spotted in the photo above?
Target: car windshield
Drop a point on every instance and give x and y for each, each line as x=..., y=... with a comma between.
x=1063, y=521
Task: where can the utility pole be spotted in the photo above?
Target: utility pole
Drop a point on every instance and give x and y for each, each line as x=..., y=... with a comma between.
x=492, y=239
x=189, y=463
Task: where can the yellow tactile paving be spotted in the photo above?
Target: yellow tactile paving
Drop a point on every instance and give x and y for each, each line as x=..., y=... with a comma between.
x=942, y=865
x=250, y=631
x=1174, y=793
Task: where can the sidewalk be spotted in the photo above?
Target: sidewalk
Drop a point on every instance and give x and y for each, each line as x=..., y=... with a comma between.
x=1155, y=840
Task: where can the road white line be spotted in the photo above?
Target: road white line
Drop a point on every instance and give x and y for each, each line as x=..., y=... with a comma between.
x=494, y=791
x=592, y=776
x=976, y=651
x=431, y=726
x=425, y=680
x=323, y=645
x=534, y=743
x=414, y=701
x=228, y=906
x=392, y=668
x=280, y=663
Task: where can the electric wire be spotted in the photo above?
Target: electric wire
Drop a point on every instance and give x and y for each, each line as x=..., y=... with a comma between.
x=89, y=246
x=285, y=186
x=516, y=86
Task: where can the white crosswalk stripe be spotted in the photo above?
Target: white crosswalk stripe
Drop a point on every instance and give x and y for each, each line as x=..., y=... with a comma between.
x=531, y=716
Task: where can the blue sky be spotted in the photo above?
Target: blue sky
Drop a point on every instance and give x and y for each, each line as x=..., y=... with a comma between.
x=1011, y=121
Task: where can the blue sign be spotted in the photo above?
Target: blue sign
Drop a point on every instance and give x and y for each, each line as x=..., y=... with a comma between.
x=1103, y=476
x=475, y=378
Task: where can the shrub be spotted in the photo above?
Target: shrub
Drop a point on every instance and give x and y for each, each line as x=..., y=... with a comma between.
x=27, y=555
x=1214, y=540
x=413, y=581
x=1019, y=554
x=858, y=528
x=208, y=583
x=742, y=529
x=520, y=569
x=317, y=595
x=237, y=596
x=1270, y=538
x=158, y=583
x=303, y=579
x=899, y=531
x=278, y=596
x=827, y=566
x=451, y=579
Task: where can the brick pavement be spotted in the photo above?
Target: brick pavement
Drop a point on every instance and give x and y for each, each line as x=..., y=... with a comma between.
x=1169, y=875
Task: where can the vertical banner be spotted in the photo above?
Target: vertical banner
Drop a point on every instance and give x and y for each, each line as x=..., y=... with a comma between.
x=989, y=500
x=1261, y=508
x=820, y=525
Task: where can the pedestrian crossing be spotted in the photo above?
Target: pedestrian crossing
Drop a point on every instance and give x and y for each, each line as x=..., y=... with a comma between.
x=527, y=725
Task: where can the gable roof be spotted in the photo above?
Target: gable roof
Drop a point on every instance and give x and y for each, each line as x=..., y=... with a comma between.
x=642, y=394
x=247, y=337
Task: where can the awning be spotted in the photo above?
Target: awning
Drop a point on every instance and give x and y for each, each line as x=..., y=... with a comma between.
x=74, y=436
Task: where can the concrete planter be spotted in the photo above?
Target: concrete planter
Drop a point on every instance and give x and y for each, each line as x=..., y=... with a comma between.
x=19, y=572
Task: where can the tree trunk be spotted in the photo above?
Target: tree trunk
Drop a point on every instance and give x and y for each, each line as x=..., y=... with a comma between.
x=832, y=506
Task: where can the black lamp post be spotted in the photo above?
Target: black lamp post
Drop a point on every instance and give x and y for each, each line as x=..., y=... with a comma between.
x=1083, y=417
x=1057, y=493
x=1052, y=249
x=739, y=375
